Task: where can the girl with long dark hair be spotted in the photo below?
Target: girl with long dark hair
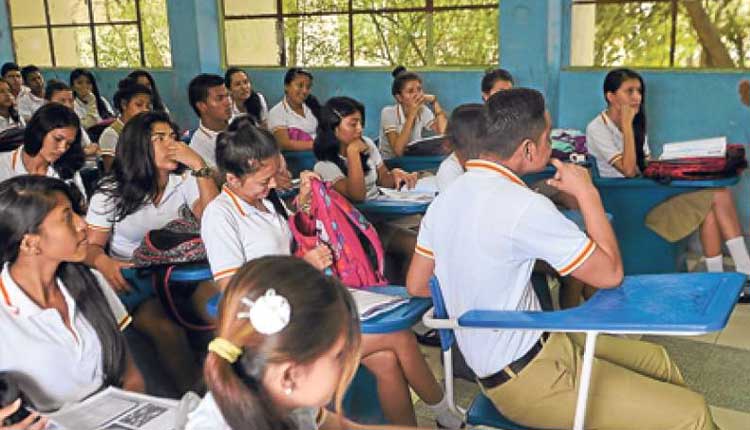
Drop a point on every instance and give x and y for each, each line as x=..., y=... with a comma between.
x=131, y=99
x=144, y=78
x=146, y=189
x=91, y=107
x=245, y=100
x=617, y=137
x=60, y=320
x=294, y=120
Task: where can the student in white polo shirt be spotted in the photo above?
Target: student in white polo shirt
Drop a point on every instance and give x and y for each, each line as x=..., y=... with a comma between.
x=210, y=101
x=144, y=192
x=90, y=105
x=618, y=139
x=33, y=99
x=59, y=92
x=294, y=120
x=51, y=147
x=245, y=99
x=243, y=224
x=465, y=126
x=130, y=99
x=484, y=261
x=406, y=121
x=60, y=321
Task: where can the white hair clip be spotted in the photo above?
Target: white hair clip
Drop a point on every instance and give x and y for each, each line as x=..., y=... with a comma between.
x=269, y=314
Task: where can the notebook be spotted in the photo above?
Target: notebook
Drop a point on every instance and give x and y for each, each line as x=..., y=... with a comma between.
x=370, y=305
x=713, y=147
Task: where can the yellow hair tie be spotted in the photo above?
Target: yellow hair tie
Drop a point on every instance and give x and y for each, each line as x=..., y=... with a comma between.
x=225, y=349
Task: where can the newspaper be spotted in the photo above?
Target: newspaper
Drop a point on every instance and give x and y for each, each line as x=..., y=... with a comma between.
x=713, y=147
x=115, y=409
x=370, y=305
x=423, y=192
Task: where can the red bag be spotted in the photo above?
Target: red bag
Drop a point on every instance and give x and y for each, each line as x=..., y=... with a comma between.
x=358, y=256
x=699, y=168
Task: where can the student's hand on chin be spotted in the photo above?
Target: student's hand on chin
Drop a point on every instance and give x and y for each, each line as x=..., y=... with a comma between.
x=359, y=146
x=570, y=178
x=627, y=113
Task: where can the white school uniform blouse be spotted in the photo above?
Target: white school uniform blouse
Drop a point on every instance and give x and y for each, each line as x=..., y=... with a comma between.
x=207, y=416
x=282, y=116
x=330, y=172
x=28, y=103
x=392, y=118
x=82, y=109
x=604, y=141
x=127, y=234
x=110, y=136
x=204, y=143
x=51, y=365
x=11, y=165
x=450, y=169
x=234, y=232
x=6, y=123
x=263, y=109
x=484, y=260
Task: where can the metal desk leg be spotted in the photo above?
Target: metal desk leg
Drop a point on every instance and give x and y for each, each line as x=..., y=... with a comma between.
x=583, y=390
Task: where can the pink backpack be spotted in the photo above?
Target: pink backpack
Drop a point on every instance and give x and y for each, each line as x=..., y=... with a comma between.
x=335, y=222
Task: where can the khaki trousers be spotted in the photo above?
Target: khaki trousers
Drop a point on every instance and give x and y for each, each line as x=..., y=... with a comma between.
x=634, y=385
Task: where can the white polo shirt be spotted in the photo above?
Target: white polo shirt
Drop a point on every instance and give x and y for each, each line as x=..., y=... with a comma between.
x=207, y=416
x=127, y=234
x=28, y=103
x=484, y=258
x=450, y=169
x=204, y=143
x=330, y=172
x=234, y=232
x=92, y=111
x=282, y=116
x=604, y=141
x=110, y=136
x=263, y=109
x=392, y=118
x=6, y=123
x=51, y=365
x=11, y=165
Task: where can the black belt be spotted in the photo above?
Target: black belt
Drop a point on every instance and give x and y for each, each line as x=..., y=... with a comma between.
x=509, y=371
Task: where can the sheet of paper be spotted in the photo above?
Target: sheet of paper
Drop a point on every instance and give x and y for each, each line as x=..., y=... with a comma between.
x=713, y=147
x=115, y=409
x=371, y=304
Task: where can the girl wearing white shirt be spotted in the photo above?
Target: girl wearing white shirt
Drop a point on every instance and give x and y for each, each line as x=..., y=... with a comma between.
x=60, y=321
x=9, y=116
x=59, y=92
x=405, y=121
x=267, y=368
x=91, y=107
x=131, y=99
x=144, y=192
x=51, y=147
x=617, y=137
x=245, y=100
x=294, y=120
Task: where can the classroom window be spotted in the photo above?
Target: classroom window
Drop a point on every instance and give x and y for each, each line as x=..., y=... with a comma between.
x=661, y=33
x=348, y=33
x=91, y=33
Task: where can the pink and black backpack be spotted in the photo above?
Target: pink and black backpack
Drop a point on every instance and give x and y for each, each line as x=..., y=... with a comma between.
x=358, y=256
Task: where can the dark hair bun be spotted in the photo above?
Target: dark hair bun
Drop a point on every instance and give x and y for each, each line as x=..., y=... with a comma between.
x=126, y=82
x=398, y=70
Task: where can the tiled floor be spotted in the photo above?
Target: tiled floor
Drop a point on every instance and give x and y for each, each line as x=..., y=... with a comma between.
x=735, y=336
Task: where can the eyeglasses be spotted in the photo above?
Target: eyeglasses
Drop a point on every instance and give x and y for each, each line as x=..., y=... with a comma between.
x=161, y=137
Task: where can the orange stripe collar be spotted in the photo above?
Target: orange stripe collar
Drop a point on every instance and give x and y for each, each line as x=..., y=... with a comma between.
x=495, y=168
x=6, y=299
x=14, y=158
x=235, y=200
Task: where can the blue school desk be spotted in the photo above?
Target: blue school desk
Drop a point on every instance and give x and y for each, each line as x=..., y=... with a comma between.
x=389, y=209
x=412, y=163
x=400, y=318
x=629, y=201
x=297, y=161
x=674, y=304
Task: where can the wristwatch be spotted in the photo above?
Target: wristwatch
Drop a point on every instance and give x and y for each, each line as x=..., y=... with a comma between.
x=203, y=172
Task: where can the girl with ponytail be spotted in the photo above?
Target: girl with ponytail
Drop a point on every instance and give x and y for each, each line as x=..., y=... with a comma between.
x=287, y=345
x=61, y=321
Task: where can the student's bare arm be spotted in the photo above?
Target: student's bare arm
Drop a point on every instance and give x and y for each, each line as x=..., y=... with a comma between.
x=418, y=278
x=287, y=144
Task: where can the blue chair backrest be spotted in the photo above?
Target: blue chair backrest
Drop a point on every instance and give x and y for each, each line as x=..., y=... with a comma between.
x=446, y=336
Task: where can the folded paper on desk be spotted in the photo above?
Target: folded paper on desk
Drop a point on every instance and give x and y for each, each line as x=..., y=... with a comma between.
x=434, y=145
x=713, y=147
x=371, y=304
x=115, y=409
x=422, y=193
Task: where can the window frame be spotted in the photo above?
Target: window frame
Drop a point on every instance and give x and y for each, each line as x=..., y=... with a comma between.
x=279, y=16
x=91, y=25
